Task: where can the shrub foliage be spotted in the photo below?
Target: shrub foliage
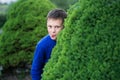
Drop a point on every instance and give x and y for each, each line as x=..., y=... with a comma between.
x=2, y=19
x=89, y=46
x=26, y=24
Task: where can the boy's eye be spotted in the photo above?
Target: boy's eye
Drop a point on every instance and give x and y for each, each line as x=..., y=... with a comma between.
x=50, y=26
x=57, y=26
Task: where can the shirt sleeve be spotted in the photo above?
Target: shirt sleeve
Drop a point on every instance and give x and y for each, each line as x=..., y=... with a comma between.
x=38, y=63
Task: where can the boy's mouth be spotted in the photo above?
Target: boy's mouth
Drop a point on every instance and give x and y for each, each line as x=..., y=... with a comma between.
x=53, y=36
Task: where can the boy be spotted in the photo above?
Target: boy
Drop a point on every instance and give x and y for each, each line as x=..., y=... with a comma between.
x=55, y=20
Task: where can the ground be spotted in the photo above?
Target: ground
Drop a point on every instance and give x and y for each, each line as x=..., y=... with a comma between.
x=16, y=74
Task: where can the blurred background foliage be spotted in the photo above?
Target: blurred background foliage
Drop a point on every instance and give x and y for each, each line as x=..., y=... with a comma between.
x=25, y=25
x=3, y=10
x=64, y=4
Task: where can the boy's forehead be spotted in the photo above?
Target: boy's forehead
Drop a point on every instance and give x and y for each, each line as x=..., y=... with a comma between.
x=52, y=21
x=54, y=18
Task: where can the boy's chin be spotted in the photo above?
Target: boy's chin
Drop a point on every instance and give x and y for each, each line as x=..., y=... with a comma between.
x=53, y=38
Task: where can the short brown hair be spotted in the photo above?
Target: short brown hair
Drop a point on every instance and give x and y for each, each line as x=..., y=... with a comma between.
x=57, y=13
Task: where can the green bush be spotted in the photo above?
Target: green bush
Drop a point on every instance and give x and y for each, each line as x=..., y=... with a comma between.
x=89, y=46
x=25, y=26
x=2, y=19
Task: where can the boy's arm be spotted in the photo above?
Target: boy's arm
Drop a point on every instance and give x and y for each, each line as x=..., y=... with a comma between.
x=38, y=63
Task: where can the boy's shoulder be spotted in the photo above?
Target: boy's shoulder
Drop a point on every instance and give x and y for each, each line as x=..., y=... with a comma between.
x=44, y=41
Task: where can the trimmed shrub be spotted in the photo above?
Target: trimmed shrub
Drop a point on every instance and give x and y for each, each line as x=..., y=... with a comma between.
x=25, y=26
x=89, y=46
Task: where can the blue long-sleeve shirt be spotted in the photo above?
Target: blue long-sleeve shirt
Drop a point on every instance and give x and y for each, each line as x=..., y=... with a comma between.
x=41, y=56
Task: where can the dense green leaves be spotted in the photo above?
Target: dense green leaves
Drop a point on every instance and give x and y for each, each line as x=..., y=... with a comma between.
x=88, y=48
x=64, y=4
x=26, y=24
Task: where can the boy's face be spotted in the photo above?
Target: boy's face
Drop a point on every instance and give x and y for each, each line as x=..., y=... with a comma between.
x=54, y=26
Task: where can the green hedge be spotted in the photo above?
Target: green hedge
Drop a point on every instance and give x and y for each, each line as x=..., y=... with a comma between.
x=89, y=46
x=25, y=26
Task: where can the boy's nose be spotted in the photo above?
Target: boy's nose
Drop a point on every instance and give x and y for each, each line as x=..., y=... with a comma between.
x=53, y=30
